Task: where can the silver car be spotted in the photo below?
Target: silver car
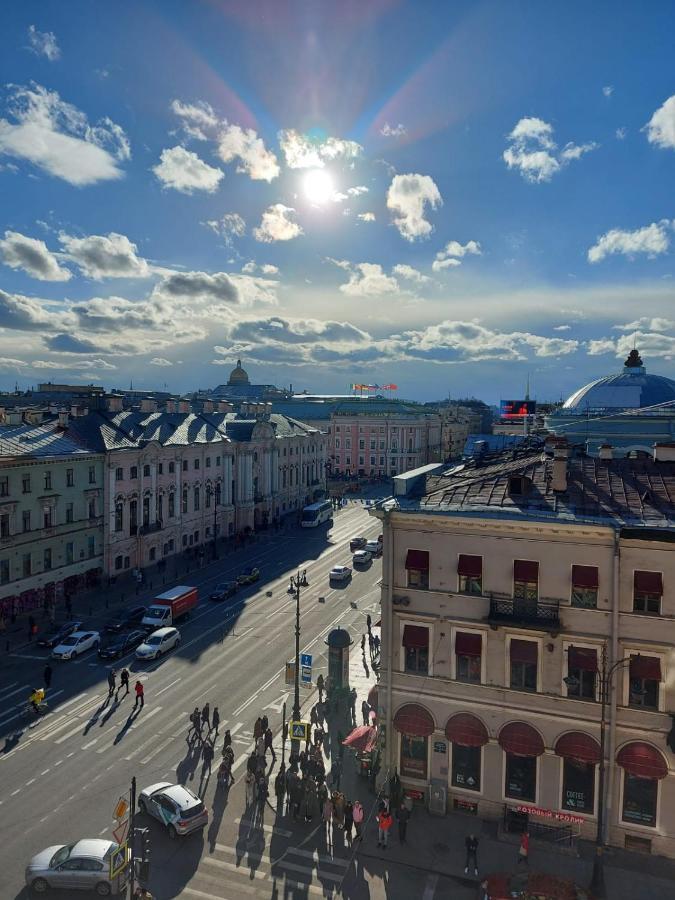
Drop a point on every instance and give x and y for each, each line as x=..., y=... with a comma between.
x=84, y=866
x=175, y=806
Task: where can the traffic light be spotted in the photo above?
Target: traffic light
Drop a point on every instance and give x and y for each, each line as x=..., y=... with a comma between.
x=142, y=853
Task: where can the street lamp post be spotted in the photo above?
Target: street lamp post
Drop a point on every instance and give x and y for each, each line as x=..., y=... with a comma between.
x=295, y=742
x=215, y=524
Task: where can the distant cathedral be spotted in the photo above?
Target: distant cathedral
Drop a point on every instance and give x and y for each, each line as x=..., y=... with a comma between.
x=239, y=387
x=238, y=375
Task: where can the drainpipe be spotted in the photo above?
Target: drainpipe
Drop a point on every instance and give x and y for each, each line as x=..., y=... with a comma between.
x=614, y=641
x=388, y=550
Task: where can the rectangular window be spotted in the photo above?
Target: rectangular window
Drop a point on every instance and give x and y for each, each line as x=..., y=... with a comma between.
x=160, y=468
x=4, y=486
x=470, y=572
x=25, y=484
x=362, y=444
x=47, y=559
x=585, y=587
x=582, y=669
x=196, y=464
x=217, y=461
x=4, y=525
x=172, y=468
x=373, y=443
x=466, y=767
x=185, y=500
x=381, y=445
x=382, y=460
x=524, y=665
x=647, y=592
x=70, y=552
x=468, y=651
x=70, y=478
x=47, y=517
x=48, y=481
x=172, y=505
x=208, y=462
x=146, y=471
x=414, y=755
x=119, y=517
x=133, y=472
x=578, y=786
x=26, y=565
x=348, y=443
x=92, y=474
x=196, y=499
x=91, y=546
x=4, y=571
x=520, y=782
x=70, y=510
x=639, y=799
x=185, y=465
x=525, y=581
x=25, y=520
x=92, y=508
x=118, y=562
x=372, y=460
x=146, y=512
x=119, y=474
x=337, y=443
x=416, y=645
x=417, y=566
x=644, y=681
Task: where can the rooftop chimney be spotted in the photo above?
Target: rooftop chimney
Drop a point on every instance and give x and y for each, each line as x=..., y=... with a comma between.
x=63, y=419
x=606, y=452
x=13, y=417
x=224, y=406
x=148, y=405
x=184, y=406
x=207, y=406
x=560, y=454
x=114, y=402
x=170, y=406
x=664, y=452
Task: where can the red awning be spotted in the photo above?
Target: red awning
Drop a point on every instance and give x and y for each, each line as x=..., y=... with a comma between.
x=642, y=760
x=524, y=651
x=417, y=559
x=466, y=730
x=648, y=582
x=521, y=739
x=577, y=745
x=525, y=570
x=585, y=576
x=363, y=738
x=468, y=644
x=414, y=720
x=471, y=566
x=582, y=658
x=648, y=667
x=372, y=697
x=415, y=637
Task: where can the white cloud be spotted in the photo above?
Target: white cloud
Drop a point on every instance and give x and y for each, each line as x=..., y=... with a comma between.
x=184, y=171
x=562, y=327
x=252, y=267
x=608, y=90
x=57, y=138
x=655, y=323
x=357, y=190
x=105, y=256
x=407, y=197
x=652, y=240
x=661, y=127
x=650, y=345
x=452, y=254
x=43, y=43
x=277, y=225
x=301, y=152
x=198, y=119
x=21, y=252
x=216, y=287
x=450, y=263
x=231, y=226
x=533, y=151
x=388, y=130
x=621, y=133
x=403, y=270
x=368, y=280
x=366, y=216
x=160, y=361
x=74, y=365
x=255, y=160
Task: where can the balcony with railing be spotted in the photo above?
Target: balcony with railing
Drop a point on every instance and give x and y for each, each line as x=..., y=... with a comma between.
x=540, y=613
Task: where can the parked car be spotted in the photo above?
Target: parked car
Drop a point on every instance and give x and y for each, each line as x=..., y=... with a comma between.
x=59, y=633
x=224, y=590
x=158, y=643
x=374, y=548
x=340, y=573
x=126, y=618
x=84, y=865
x=357, y=543
x=76, y=644
x=249, y=575
x=361, y=558
x=175, y=806
x=121, y=644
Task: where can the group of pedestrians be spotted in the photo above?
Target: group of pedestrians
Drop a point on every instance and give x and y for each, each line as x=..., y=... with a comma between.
x=114, y=689
x=471, y=844
x=203, y=722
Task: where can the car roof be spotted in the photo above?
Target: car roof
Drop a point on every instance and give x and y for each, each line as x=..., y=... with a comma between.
x=153, y=788
x=181, y=795
x=162, y=632
x=81, y=634
x=93, y=847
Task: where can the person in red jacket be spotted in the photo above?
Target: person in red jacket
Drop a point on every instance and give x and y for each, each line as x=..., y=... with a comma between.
x=524, y=849
x=140, y=699
x=384, y=821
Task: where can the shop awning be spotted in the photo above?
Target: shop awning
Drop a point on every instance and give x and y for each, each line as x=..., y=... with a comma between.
x=414, y=720
x=580, y=746
x=415, y=637
x=648, y=667
x=471, y=566
x=642, y=760
x=363, y=738
x=468, y=644
x=466, y=730
x=524, y=651
x=525, y=570
x=521, y=739
x=648, y=582
x=585, y=576
x=418, y=560
x=582, y=658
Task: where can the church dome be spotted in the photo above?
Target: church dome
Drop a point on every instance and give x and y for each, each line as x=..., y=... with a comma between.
x=632, y=388
x=238, y=375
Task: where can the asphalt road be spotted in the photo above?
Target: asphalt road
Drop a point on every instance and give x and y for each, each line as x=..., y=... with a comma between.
x=61, y=778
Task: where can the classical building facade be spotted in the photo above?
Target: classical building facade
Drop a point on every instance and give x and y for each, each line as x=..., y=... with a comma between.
x=509, y=588
x=51, y=515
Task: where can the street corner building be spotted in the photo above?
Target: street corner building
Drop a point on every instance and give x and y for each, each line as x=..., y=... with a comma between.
x=528, y=621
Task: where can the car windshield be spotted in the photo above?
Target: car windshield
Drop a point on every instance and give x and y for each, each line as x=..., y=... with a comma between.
x=155, y=639
x=192, y=811
x=69, y=641
x=61, y=856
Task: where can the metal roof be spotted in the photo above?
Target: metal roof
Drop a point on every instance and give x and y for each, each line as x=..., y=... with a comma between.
x=43, y=440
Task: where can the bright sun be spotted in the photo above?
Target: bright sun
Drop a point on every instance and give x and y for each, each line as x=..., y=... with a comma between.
x=318, y=186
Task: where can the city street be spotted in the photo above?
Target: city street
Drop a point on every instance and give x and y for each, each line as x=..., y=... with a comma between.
x=62, y=777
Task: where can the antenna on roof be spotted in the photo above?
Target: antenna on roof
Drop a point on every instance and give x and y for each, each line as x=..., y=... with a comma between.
x=527, y=387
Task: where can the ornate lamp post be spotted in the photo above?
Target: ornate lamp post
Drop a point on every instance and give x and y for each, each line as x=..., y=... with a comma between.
x=295, y=743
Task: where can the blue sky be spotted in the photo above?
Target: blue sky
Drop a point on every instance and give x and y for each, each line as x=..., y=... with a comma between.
x=444, y=196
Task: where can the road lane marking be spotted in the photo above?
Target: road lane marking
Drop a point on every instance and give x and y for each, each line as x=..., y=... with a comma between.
x=158, y=749
x=270, y=829
x=168, y=686
x=430, y=887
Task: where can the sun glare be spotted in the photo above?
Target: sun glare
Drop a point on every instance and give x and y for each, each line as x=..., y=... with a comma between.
x=318, y=186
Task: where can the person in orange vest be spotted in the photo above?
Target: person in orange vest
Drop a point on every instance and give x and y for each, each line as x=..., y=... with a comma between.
x=384, y=822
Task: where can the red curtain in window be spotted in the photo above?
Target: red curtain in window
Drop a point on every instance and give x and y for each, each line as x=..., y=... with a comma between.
x=585, y=577
x=417, y=559
x=415, y=637
x=583, y=658
x=468, y=644
x=524, y=651
x=470, y=566
x=647, y=667
x=525, y=570
x=648, y=582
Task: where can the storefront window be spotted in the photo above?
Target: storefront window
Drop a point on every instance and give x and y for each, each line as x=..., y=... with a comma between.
x=578, y=786
x=466, y=767
x=521, y=777
x=413, y=756
x=639, y=799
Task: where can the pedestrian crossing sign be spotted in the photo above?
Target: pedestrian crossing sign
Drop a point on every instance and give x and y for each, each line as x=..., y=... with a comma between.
x=300, y=731
x=118, y=860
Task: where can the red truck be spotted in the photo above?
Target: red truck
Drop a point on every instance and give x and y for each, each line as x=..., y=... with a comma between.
x=169, y=607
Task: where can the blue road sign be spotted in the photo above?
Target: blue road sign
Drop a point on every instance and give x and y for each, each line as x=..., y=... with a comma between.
x=305, y=659
x=306, y=674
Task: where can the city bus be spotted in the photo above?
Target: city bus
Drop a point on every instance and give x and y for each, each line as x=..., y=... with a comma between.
x=316, y=513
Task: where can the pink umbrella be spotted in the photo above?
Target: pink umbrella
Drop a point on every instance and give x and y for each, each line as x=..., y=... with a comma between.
x=362, y=738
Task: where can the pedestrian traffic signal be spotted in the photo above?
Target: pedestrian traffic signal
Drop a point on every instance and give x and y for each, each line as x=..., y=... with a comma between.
x=142, y=853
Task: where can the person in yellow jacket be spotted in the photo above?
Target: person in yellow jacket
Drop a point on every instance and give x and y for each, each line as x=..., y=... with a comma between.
x=37, y=696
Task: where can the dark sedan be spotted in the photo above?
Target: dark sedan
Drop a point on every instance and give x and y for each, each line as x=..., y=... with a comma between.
x=126, y=618
x=121, y=645
x=224, y=591
x=54, y=638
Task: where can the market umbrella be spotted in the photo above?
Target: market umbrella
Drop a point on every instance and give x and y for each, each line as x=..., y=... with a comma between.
x=363, y=738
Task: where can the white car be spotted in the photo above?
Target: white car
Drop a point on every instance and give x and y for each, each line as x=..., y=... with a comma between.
x=374, y=548
x=158, y=643
x=175, y=806
x=362, y=557
x=75, y=644
x=340, y=573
